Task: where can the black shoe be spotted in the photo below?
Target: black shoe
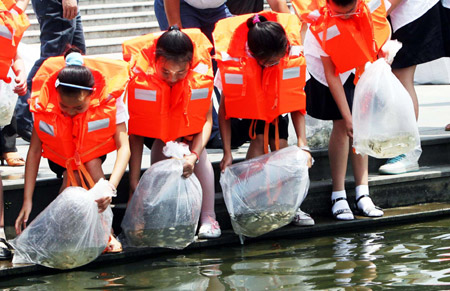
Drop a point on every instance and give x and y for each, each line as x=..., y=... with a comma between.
x=5, y=252
x=25, y=135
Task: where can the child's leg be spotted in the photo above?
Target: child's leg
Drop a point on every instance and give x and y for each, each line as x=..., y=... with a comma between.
x=364, y=203
x=94, y=167
x=283, y=144
x=256, y=147
x=338, y=155
x=205, y=174
x=156, y=152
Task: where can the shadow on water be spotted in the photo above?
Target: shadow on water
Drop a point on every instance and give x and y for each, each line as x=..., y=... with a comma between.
x=411, y=256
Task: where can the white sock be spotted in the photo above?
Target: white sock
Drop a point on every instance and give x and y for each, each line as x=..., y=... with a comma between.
x=341, y=204
x=366, y=204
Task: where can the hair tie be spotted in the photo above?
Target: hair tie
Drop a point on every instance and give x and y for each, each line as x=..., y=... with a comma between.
x=174, y=27
x=256, y=19
x=74, y=59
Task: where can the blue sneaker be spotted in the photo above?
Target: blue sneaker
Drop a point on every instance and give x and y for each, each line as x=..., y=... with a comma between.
x=399, y=165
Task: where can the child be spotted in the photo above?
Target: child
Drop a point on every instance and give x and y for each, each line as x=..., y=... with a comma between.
x=170, y=99
x=420, y=27
x=346, y=35
x=77, y=121
x=262, y=82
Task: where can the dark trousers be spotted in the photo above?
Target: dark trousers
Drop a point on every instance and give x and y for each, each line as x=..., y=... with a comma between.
x=8, y=137
x=56, y=34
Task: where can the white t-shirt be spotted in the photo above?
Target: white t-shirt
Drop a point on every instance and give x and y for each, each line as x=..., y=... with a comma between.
x=205, y=4
x=409, y=10
x=122, y=111
x=313, y=51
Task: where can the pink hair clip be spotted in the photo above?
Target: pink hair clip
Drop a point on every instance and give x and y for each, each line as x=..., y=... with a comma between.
x=256, y=19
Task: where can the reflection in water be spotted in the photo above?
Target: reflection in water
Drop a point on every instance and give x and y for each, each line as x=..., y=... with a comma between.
x=398, y=257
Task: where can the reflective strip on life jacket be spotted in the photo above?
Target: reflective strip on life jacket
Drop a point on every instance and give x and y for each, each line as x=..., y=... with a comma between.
x=145, y=95
x=98, y=124
x=199, y=93
x=47, y=128
x=237, y=79
x=5, y=33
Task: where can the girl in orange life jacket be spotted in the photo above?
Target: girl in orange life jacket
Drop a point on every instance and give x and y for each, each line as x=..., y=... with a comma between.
x=330, y=95
x=269, y=49
x=172, y=61
x=79, y=92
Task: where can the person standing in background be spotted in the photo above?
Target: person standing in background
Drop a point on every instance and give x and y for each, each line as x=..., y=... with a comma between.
x=238, y=7
x=60, y=26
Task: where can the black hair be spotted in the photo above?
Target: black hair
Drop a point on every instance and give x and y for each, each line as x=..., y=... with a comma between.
x=76, y=75
x=174, y=45
x=266, y=39
x=342, y=3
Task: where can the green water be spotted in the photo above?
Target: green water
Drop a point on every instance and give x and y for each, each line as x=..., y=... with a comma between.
x=407, y=257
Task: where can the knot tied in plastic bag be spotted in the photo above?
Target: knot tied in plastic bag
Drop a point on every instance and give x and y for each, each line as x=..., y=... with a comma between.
x=69, y=232
x=165, y=207
x=263, y=193
x=176, y=150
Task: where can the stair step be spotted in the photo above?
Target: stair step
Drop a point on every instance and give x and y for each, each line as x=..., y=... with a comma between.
x=110, y=18
x=104, y=31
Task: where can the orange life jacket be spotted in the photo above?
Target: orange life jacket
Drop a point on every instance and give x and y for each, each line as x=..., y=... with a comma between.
x=158, y=110
x=72, y=141
x=253, y=92
x=13, y=23
x=308, y=10
x=353, y=42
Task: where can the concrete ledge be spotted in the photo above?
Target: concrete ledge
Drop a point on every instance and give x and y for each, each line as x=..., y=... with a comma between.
x=323, y=226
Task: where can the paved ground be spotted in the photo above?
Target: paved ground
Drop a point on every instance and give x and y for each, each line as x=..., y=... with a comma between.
x=434, y=115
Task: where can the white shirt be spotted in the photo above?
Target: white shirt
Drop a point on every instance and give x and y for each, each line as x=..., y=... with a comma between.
x=205, y=4
x=313, y=51
x=122, y=111
x=409, y=10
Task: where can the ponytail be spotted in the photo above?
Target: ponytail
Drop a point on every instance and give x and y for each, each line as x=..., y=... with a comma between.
x=174, y=45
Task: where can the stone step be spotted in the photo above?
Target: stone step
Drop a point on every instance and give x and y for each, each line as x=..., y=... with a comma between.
x=101, y=8
x=104, y=31
x=109, y=18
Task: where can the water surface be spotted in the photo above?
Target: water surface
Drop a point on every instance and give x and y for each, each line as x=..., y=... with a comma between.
x=415, y=256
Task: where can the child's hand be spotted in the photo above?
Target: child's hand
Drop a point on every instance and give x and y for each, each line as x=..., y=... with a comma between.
x=22, y=219
x=189, y=164
x=226, y=161
x=103, y=203
x=21, y=84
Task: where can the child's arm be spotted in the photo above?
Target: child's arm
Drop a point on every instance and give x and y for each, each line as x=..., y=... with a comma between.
x=123, y=154
x=279, y=6
x=31, y=171
x=337, y=90
x=394, y=4
x=21, y=76
x=22, y=4
x=199, y=142
x=225, y=133
x=298, y=120
x=136, y=148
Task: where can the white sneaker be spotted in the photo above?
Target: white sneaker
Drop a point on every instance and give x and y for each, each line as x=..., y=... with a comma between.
x=302, y=219
x=210, y=230
x=399, y=165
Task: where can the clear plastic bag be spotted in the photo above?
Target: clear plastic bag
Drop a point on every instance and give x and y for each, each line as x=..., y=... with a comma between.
x=165, y=207
x=384, y=123
x=262, y=194
x=8, y=100
x=67, y=234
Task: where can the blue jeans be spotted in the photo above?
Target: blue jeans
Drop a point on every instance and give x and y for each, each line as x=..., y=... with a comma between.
x=56, y=34
x=205, y=20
